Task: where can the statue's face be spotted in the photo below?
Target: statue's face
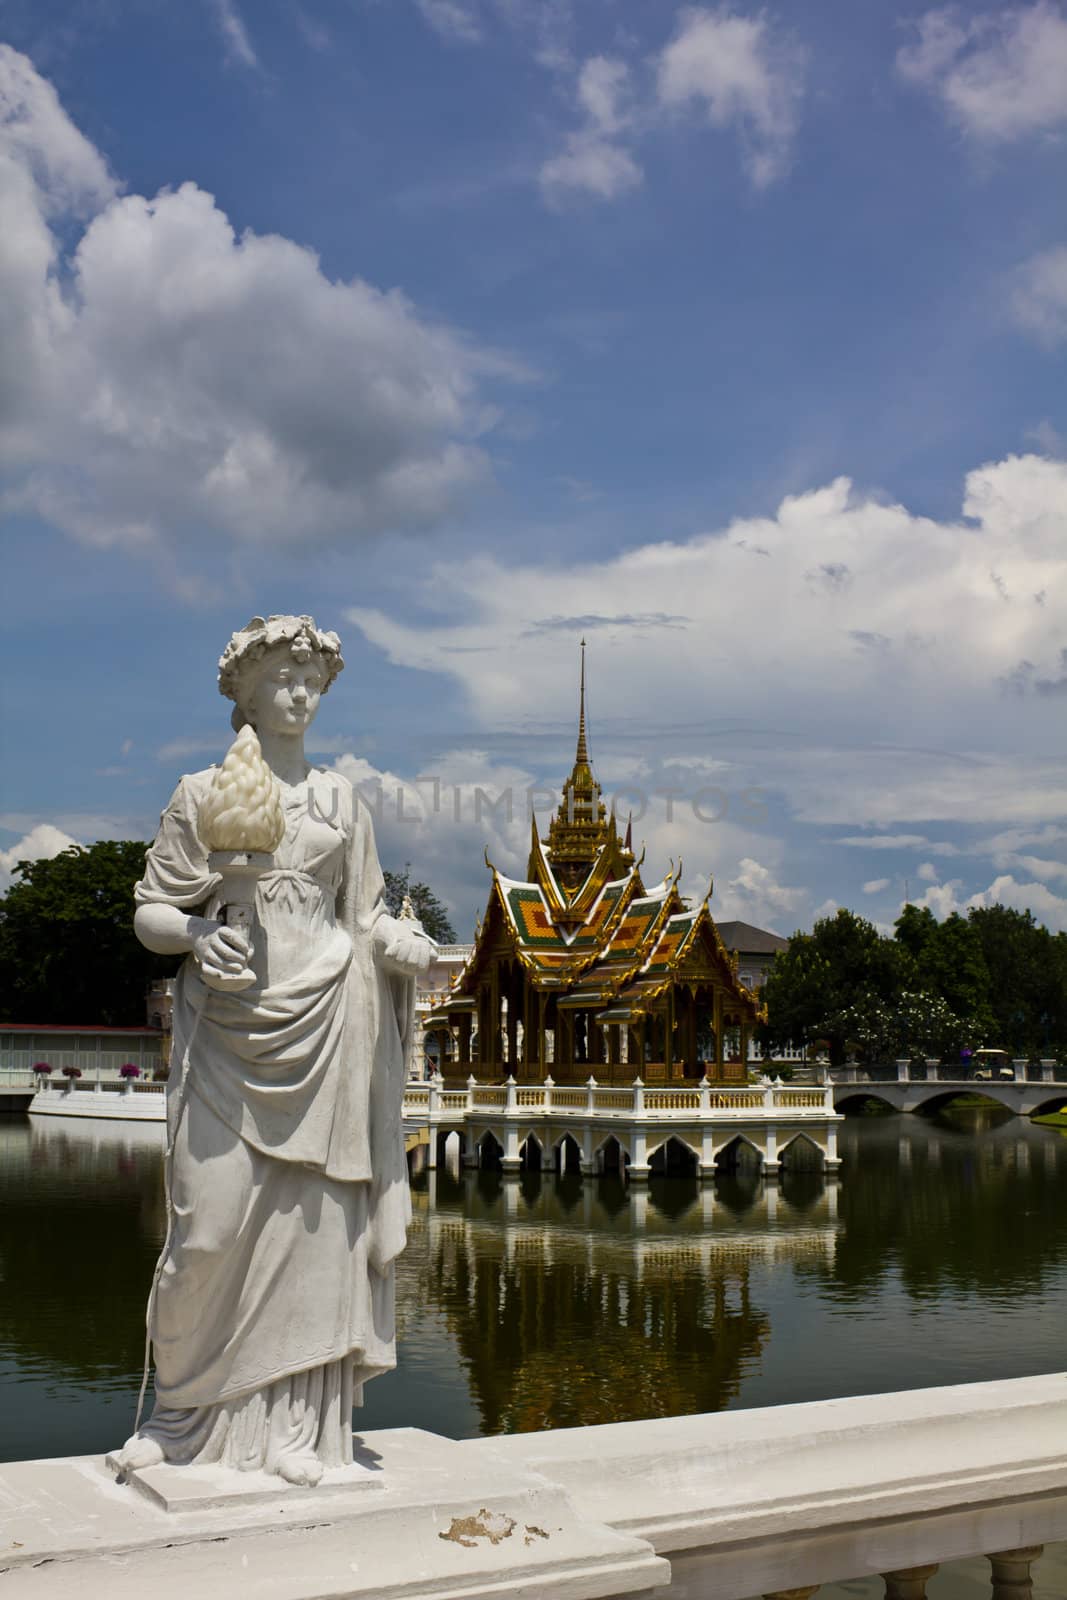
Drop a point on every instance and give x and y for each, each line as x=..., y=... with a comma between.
x=284, y=695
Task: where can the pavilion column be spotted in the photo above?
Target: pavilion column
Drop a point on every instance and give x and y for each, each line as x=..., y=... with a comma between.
x=465, y=1039
x=716, y=1013
x=691, y=1031
x=513, y=1029
x=537, y=1053
x=491, y=1053
x=746, y=1041
x=668, y=1035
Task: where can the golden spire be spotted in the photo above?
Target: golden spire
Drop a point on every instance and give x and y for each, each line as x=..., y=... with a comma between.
x=582, y=753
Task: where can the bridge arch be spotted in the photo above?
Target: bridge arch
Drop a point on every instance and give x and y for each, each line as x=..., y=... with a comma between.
x=857, y=1097
x=1055, y=1102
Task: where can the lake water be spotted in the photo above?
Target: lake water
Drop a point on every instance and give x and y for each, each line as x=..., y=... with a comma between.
x=938, y=1257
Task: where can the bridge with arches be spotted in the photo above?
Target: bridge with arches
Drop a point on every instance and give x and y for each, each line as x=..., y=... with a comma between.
x=635, y=1131
x=1026, y=1088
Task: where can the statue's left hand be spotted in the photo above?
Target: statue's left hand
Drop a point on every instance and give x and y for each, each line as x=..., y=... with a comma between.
x=408, y=953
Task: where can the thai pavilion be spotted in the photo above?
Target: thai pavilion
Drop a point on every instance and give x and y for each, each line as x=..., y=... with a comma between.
x=581, y=970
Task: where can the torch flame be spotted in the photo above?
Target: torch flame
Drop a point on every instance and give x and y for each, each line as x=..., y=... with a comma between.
x=243, y=808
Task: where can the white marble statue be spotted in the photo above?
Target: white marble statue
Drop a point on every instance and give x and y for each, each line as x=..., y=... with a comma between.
x=287, y=1185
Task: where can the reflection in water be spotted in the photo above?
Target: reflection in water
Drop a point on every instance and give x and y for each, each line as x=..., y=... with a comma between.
x=573, y=1304
x=940, y=1257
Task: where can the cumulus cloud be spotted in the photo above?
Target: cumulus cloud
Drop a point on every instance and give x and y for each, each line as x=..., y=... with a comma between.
x=741, y=75
x=168, y=375
x=928, y=873
x=876, y=885
x=755, y=895
x=595, y=160
x=41, y=843
x=1001, y=76
x=920, y=584
x=1047, y=906
x=1039, y=300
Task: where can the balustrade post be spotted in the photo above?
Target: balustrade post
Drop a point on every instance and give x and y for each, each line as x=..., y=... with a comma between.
x=590, y=1095
x=704, y=1091
x=1011, y=1573
x=909, y=1583
x=833, y=1161
x=932, y=1065
x=1019, y=1065
x=903, y=1069
x=1048, y=1070
x=639, y=1097
x=549, y=1086
x=472, y=1084
x=510, y=1096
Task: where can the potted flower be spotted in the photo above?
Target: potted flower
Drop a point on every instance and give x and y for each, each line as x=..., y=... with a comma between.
x=70, y=1073
x=41, y=1069
x=128, y=1072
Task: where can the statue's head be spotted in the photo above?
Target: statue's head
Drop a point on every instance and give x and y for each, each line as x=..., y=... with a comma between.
x=276, y=670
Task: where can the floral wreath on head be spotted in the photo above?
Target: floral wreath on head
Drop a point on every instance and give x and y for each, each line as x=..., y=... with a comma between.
x=252, y=642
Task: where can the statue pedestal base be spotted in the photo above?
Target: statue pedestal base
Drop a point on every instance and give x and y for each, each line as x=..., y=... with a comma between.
x=215, y=1488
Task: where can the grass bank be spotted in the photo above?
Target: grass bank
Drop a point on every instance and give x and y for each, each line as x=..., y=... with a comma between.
x=1052, y=1119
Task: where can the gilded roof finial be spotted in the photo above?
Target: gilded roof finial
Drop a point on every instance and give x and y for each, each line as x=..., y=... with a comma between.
x=582, y=752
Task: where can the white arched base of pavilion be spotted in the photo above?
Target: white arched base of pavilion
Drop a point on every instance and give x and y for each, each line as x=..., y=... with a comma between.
x=635, y=1132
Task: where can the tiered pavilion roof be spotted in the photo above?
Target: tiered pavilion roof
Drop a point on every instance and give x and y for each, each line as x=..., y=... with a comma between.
x=580, y=967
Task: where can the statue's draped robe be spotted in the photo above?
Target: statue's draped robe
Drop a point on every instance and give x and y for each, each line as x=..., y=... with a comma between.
x=288, y=1182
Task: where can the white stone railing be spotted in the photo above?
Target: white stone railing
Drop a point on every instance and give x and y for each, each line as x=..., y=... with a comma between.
x=774, y=1503
x=693, y=1102
x=779, y=1501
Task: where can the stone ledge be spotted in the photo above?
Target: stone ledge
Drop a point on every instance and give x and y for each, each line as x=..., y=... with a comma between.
x=440, y=1526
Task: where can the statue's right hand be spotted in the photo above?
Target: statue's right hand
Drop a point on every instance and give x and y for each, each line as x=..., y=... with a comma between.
x=220, y=951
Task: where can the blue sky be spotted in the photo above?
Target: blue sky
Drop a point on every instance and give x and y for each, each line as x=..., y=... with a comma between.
x=730, y=337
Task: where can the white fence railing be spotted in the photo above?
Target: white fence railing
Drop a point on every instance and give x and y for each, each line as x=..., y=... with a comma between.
x=432, y=1101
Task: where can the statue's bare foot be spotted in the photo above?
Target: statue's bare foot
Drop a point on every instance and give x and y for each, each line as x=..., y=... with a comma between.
x=302, y=1468
x=139, y=1451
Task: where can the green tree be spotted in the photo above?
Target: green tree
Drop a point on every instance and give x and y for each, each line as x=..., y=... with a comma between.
x=428, y=908
x=1027, y=967
x=68, y=952
x=840, y=983
x=951, y=966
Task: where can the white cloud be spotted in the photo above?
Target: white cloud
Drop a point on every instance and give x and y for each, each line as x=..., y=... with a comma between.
x=1005, y=890
x=876, y=885
x=235, y=34
x=170, y=375
x=1039, y=301
x=1001, y=75
x=743, y=76
x=921, y=586
x=884, y=841
x=756, y=895
x=452, y=20
x=928, y=873
x=41, y=843
x=594, y=160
